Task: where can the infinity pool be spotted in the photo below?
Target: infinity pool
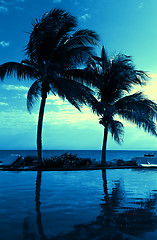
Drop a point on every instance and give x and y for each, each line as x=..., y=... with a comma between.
x=118, y=204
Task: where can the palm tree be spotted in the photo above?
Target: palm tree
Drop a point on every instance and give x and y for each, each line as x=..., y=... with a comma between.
x=54, y=48
x=115, y=78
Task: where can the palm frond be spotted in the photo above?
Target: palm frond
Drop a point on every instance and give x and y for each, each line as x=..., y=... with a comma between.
x=123, y=69
x=82, y=37
x=76, y=93
x=33, y=94
x=142, y=121
x=136, y=103
x=117, y=130
x=104, y=60
x=119, y=77
x=85, y=76
x=58, y=17
x=19, y=70
x=74, y=57
x=52, y=34
x=47, y=33
x=30, y=64
x=138, y=110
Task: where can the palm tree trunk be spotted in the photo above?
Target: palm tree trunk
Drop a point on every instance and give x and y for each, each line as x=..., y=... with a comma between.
x=103, y=156
x=39, y=131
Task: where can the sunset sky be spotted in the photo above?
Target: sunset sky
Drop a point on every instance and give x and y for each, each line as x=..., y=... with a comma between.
x=124, y=26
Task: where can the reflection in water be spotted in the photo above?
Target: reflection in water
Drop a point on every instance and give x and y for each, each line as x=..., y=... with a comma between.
x=38, y=203
x=121, y=217
x=28, y=233
x=117, y=220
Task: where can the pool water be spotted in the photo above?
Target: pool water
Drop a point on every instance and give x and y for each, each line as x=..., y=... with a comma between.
x=116, y=204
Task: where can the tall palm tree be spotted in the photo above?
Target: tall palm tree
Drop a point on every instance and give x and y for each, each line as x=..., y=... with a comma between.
x=113, y=79
x=54, y=48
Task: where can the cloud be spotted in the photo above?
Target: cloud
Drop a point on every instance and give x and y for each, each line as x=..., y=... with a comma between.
x=56, y=100
x=67, y=114
x=20, y=96
x=19, y=8
x=59, y=105
x=3, y=9
x=76, y=3
x=3, y=104
x=62, y=113
x=57, y=1
x=150, y=88
x=52, y=97
x=85, y=17
x=4, y=44
x=13, y=87
x=141, y=5
x=3, y=2
x=24, y=119
x=153, y=75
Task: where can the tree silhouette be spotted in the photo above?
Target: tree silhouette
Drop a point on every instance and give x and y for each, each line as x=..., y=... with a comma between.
x=116, y=77
x=113, y=79
x=54, y=48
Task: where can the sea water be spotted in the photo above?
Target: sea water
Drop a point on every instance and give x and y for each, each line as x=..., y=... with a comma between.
x=93, y=154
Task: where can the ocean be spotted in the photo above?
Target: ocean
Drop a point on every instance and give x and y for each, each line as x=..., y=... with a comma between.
x=93, y=154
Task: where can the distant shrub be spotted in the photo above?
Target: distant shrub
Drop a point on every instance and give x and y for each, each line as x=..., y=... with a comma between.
x=121, y=163
x=72, y=161
x=132, y=162
x=67, y=160
x=31, y=161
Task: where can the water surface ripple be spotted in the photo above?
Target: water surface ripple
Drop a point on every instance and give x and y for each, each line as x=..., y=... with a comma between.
x=113, y=204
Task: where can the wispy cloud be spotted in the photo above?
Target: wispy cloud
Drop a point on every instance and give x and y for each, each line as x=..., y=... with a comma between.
x=85, y=17
x=150, y=89
x=141, y=5
x=76, y=3
x=19, y=8
x=25, y=120
x=3, y=104
x=3, y=2
x=4, y=44
x=20, y=96
x=52, y=97
x=57, y=100
x=13, y=87
x=57, y=1
x=72, y=117
x=3, y=9
x=153, y=75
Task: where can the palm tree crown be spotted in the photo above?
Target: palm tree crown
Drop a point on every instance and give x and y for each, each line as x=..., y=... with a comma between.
x=54, y=48
x=113, y=80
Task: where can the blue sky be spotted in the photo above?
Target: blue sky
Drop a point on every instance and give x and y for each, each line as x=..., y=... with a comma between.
x=125, y=26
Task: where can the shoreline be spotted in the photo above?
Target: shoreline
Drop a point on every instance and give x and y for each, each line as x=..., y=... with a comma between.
x=71, y=162
x=74, y=169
